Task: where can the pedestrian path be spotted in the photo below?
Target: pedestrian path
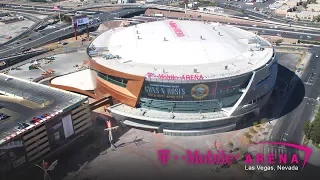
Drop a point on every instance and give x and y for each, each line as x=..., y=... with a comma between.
x=279, y=150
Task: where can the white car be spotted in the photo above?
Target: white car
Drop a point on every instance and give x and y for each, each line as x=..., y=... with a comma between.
x=317, y=56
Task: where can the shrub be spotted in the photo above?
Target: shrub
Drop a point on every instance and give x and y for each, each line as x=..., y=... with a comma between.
x=253, y=131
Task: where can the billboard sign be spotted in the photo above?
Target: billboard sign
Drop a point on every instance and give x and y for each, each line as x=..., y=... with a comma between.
x=59, y=129
x=194, y=91
x=67, y=126
x=183, y=92
x=55, y=132
x=12, y=155
x=56, y=8
x=80, y=20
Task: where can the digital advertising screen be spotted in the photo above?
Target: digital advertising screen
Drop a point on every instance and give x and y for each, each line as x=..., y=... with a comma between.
x=193, y=91
x=80, y=20
x=55, y=132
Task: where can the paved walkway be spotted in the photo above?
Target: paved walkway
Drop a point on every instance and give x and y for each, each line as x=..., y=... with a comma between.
x=138, y=152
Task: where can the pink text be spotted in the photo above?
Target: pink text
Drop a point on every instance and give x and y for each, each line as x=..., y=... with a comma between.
x=174, y=77
x=176, y=29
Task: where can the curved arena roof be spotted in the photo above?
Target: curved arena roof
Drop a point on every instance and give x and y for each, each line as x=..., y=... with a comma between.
x=179, y=47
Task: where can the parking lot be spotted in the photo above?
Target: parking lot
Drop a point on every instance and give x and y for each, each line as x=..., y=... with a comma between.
x=63, y=64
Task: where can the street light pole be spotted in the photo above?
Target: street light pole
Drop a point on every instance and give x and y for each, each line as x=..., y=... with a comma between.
x=60, y=15
x=110, y=129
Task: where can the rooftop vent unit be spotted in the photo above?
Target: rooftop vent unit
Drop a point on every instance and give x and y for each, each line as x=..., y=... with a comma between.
x=219, y=33
x=256, y=48
x=214, y=28
x=137, y=32
x=139, y=37
x=253, y=40
x=195, y=70
x=163, y=71
x=110, y=56
x=165, y=39
x=202, y=38
x=226, y=67
x=171, y=116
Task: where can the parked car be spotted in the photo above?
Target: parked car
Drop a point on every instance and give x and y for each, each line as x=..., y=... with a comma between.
x=22, y=125
x=9, y=79
x=40, y=117
x=45, y=115
x=3, y=116
x=35, y=119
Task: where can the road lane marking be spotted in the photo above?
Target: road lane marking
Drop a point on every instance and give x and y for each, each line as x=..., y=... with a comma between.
x=310, y=84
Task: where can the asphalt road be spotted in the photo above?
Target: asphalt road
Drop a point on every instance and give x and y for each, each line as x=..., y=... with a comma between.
x=289, y=127
x=31, y=37
x=47, y=37
x=284, y=32
x=249, y=12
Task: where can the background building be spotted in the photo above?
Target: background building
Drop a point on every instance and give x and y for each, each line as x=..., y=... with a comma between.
x=284, y=9
x=303, y=15
x=293, y=3
x=313, y=7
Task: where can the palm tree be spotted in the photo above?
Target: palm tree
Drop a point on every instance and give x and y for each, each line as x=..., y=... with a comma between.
x=45, y=168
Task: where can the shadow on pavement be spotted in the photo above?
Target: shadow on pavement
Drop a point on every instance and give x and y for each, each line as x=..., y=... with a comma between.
x=310, y=171
x=273, y=109
x=83, y=150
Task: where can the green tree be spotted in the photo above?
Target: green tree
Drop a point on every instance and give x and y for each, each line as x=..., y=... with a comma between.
x=316, y=18
x=306, y=129
x=315, y=129
x=304, y=4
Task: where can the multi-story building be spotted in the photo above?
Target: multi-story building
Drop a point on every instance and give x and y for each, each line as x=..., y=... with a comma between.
x=303, y=15
x=284, y=9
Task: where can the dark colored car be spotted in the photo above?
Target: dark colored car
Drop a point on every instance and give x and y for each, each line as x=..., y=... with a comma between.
x=45, y=115
x=22, y=125
x=3, y=116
